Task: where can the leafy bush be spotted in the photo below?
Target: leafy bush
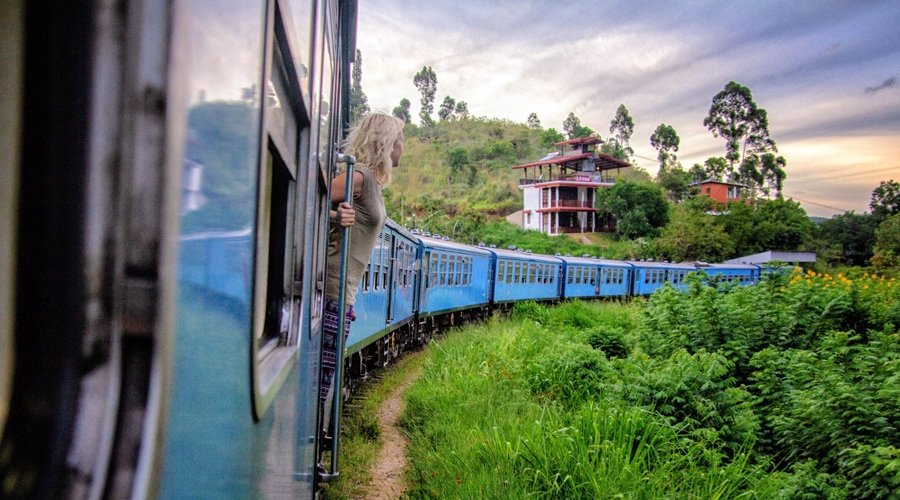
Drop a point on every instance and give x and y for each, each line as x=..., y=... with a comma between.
x=571, y=373
x=609, y=339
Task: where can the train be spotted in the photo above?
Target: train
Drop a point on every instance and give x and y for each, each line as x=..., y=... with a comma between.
x=166, y=171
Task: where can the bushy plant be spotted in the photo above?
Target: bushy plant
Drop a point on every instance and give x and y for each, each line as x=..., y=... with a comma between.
x=609, y=339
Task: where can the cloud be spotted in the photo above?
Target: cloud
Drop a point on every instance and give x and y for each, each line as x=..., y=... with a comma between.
x=890, y=82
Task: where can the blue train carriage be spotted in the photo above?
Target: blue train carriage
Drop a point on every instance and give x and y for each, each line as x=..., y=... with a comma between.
x=589, y=277
x=455, y=282
x=740, y=274
x=649, y=277
x=520, y=275
x=385, y=301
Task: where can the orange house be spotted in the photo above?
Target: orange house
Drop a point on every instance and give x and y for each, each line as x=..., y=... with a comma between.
x=720, y=191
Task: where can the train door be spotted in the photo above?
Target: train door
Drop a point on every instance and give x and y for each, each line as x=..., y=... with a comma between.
x=426, y=279
x=394, y=274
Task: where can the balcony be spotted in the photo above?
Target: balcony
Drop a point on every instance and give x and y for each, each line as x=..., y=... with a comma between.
x=567, y=204
x=582, y=178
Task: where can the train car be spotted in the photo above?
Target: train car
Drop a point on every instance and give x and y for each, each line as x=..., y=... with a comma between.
x=164, y=222
x=520, y=275
x=385, y=301
x=741, y=274
x=454, y=277
x=647, y=277
x=589, y=277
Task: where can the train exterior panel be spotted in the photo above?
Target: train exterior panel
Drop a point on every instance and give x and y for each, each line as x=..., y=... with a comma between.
x=741, y=274
x=525, y=276
x=454, y=276
x=385, y=299
x=594, y=278
x=649, y=277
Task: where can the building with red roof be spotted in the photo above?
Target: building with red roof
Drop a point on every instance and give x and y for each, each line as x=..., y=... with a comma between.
x=560, y=189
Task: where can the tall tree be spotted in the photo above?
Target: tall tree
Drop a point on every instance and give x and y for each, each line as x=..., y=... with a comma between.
x=887, y=244
x=462, y=110
x=359, y=103
x=573, y=127
x=735, y=117
x=715, y=167
x=665, y=140
x=885, y=200
x=533, y=121
x=622, y=127
x=445, y=112
x=426, y=81
x=402, y=111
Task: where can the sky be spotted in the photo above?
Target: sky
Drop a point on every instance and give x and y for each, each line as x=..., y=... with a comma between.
x=827, y=73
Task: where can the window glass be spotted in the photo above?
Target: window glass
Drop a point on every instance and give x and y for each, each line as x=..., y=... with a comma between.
x=570, y=275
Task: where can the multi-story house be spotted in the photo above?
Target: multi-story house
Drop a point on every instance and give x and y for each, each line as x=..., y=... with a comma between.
x=560, y=189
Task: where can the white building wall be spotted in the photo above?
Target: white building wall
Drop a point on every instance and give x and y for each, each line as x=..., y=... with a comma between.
x=532, y=219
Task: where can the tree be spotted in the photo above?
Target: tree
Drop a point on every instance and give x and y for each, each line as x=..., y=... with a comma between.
x=885, y=200
x=692, y=235
x=457, y=159
x=359, y=103
x=622, y=127
x=735, y=117
x=665, y=140
x=887, y=244
x=849, y=236
x=533, y=121
x=402, y=111
x=639, y=208
x=781, y=225
x=445, y=112
x=714, y=167
x=462, y=110
x=571, y=125
x=676, y=181
x=550, y=137
x=426, y=81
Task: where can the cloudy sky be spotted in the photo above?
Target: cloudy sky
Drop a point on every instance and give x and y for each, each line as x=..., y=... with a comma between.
x=826, y=71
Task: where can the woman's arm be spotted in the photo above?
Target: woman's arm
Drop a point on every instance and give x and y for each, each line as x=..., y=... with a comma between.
x=338, y=186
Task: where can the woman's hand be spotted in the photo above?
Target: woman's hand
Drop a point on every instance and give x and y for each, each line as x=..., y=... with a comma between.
x=345, y=215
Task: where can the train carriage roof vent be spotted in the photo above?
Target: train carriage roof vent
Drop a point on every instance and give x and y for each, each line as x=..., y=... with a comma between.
x=586, y=255
x=481, y=243
x=426, y=233
x=528, y=251
x=436, y=236
x=492, y=246
x=558, y=254
x=568, y=255
x=511, y=247
x=446, y=238
x=415, y=231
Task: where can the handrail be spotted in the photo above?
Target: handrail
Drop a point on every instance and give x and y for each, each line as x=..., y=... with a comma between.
x=338, y=380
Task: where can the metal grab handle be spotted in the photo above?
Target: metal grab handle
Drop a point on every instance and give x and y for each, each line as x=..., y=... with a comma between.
x=338, y=381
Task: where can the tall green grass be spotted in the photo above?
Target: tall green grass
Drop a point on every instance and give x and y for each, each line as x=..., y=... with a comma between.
x=528, y=408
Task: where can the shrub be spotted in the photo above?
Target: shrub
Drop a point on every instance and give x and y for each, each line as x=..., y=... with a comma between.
x=609, y=339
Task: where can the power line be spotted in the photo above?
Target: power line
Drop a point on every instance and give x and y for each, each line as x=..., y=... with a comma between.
x=846, y=176
x=818, y=204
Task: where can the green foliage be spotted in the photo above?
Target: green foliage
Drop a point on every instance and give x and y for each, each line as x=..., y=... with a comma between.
x=573, y=128
x=533, y=121
x=426, y=81
x=640, y=209
x=693, y=235
x=846, y=238
x=622, y=127
x=887, y=244
x=609, y=339
x=837, y=404
x=402, y=111
x=665, y=140
x=885, y=200
x=359, y=103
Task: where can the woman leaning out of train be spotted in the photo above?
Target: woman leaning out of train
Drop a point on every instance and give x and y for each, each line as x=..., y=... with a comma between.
x=377, y=144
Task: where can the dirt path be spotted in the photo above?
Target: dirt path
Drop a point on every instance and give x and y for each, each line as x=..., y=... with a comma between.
x=387, y=472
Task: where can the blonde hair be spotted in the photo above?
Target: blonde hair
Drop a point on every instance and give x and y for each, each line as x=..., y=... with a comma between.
x=371, y=141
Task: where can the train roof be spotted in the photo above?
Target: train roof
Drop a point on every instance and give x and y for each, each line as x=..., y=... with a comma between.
x=524, y=255
x=432, y=242
x=726, y=266
x=402, y=230
x=593, y=261
x=662, y=265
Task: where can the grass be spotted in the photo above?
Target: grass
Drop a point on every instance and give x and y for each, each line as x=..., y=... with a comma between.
x=515, y=409
x=360, y=434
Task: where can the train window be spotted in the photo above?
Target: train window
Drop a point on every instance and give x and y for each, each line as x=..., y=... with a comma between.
x=570, y=275
x=593, y=275
x=443, y=271
x=501, y=271
x=540, y=273
x=365, y=277
x=433, y=281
